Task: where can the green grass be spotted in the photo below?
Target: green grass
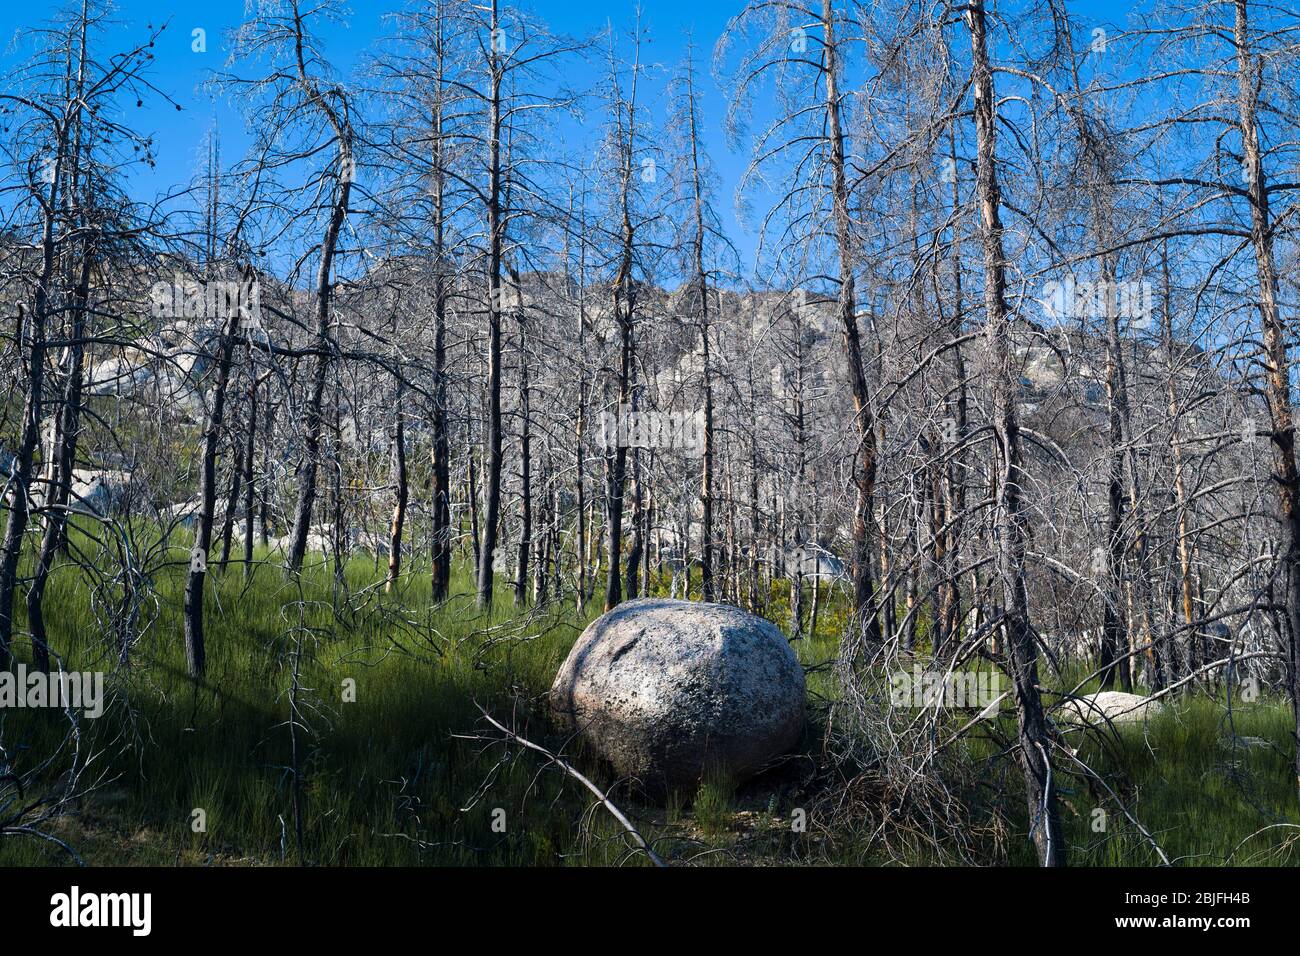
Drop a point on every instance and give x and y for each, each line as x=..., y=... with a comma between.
x=390, y=778
x=1196, y=786
x=384, y=764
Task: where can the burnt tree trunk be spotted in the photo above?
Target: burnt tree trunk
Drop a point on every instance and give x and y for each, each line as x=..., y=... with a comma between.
x=195, y=648
x=496, y=233
x=313, y=420
x=864, y=471
x=1034, y=738
x=399, y=506
x=1276, y=355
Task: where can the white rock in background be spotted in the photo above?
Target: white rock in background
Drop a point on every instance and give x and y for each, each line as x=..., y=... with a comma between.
x=1108, y=706
x=98, y=492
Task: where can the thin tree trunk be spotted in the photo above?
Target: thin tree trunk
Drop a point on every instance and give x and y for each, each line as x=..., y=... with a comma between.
x=1034, y=740
x=59, y=491
x=616, y=459
x=440, y=573
x=312, y=418
x=399, y=506
x=631, y=588
x=232, y=503
x=525, y=468
x=195, y=648
x=496, y=234
x=865, y=465
x=250, y=489
x=1276, y=356
x=1186, y=587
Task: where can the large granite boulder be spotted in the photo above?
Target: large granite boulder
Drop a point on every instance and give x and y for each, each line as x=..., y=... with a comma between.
x=674, y=692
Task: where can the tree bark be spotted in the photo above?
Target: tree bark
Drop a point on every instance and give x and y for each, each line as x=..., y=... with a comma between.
x=864, y=476
x=312, y=416
x=1034, y=740
x=402, y=492
x=195, y=647
x=496, y=233
x=1276, y=355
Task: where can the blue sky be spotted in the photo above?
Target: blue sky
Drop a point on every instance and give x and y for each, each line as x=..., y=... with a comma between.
x=180, y=71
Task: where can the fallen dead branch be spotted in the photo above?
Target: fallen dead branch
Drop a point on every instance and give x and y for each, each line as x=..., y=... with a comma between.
x=642, y=844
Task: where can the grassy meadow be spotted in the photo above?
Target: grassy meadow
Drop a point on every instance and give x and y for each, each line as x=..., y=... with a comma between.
x=408, y=773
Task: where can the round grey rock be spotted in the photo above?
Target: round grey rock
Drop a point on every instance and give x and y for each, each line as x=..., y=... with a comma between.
x=676, y=692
